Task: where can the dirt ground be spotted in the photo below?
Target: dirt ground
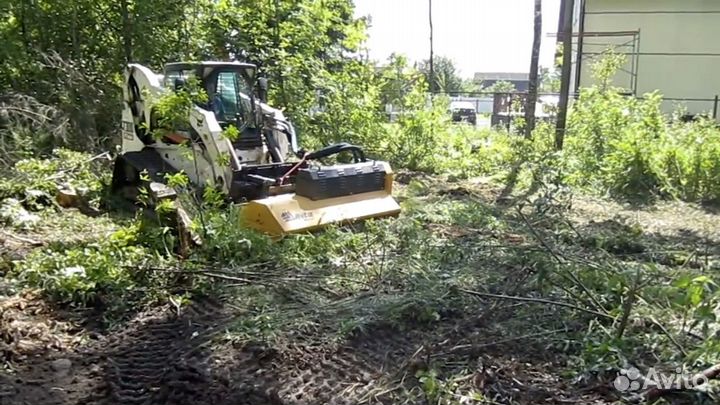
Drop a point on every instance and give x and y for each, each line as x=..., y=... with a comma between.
x=166, y=357
x=172, y=355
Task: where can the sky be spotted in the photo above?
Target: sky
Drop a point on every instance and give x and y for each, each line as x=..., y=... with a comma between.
x=478, y=35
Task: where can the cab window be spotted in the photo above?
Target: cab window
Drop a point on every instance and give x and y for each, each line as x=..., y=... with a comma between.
x=230, y=101
x=174, y=76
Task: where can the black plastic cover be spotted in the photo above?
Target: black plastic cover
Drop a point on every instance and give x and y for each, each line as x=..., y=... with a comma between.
x=340, y=180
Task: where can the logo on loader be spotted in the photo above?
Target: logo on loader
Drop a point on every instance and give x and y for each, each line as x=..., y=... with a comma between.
x=288, y=216
x=128, y=130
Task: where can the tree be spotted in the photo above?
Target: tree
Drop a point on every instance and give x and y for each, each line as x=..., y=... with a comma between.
x=301, y=46
x=566, y=13
x=446, y=78
x=431, y=61
x=533, y=82
x=549, y=80
x=397, y=79
x=500, y=86
x=70, y=54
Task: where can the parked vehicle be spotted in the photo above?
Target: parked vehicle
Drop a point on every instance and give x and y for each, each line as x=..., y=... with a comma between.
x=463, y=111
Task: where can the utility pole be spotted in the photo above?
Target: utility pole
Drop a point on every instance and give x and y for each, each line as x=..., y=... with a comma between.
x=558, y=40
x=567, y=7
x=432, y=61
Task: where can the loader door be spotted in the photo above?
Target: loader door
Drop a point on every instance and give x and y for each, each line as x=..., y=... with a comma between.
x=229, y=100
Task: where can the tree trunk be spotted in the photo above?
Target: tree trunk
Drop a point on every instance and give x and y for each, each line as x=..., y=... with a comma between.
x=23, y=27
x=126, y=31
x=567, y=7
x=432, y=57
x=74, y=33
x=533, y=82
x=278, y=62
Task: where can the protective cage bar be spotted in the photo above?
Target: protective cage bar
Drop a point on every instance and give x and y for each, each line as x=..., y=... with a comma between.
x=630, y=47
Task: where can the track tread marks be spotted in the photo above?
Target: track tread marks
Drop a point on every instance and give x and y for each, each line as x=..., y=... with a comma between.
x=164, y=360
x=161, y=361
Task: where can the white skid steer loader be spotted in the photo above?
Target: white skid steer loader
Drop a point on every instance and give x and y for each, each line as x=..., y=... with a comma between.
x=282, y=188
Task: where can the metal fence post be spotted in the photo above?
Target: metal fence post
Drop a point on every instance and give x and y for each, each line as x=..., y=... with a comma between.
x=715, y=107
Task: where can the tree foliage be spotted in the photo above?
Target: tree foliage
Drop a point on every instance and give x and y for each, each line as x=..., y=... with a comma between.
x=446, y=78
x=302, y=46
x=500, y=86
x=398, y=79
x=549, y=80
x=70, y=55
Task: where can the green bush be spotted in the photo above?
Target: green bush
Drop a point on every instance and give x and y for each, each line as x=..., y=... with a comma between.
x=466, y=152
x=690, y=161
x=346, y=109
x=226, y=241
x=415, y=141
x=105, y=272
x=65, y=168
x=624, y=146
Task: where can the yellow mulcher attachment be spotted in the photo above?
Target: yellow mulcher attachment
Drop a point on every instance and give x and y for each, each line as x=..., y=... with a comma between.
x=306, y=209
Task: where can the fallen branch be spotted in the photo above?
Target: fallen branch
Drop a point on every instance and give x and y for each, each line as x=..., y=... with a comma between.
x=538, y=301
x=628, y=304
x=204, y=273
x=497, y=342
x=228, y=278
x=669, y=335
x=555, y=255
x=22, y=239
x=253, y=277
x=105, y=155
x=561, y=259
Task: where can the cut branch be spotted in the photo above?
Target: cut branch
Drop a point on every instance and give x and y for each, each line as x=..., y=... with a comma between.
x=228, y=278
x=670, y=336
x=560, y=259
x=19, y=238
x=538, y=301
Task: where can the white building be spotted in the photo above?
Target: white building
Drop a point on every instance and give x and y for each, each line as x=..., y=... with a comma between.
x=671, y=45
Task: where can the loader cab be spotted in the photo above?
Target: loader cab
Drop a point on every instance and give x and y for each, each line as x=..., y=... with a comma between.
x=229, y=86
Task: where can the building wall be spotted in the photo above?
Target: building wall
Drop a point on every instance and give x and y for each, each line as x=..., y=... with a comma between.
x=678, y=48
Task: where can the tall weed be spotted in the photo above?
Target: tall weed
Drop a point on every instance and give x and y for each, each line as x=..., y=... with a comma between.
x=625, y=147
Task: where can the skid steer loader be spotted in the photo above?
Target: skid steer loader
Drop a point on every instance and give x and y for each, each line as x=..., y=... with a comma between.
x=282, y=188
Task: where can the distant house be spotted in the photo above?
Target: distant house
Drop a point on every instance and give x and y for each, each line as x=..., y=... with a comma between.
x=520, y=80
x=670, y=45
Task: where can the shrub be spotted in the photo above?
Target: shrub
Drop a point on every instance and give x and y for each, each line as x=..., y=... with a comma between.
x=226, y=241
x=64, y=167
x=346, y=109
x=466, y=152
x=625, y=147
x=415, y=141
x=105, y=272
x=690, y=161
